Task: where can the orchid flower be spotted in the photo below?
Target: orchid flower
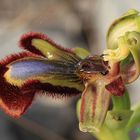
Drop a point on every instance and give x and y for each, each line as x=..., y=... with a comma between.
x=46, y=67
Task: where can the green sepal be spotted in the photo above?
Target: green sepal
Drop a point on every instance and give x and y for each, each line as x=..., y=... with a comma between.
x=94, y=105
x=118, y=118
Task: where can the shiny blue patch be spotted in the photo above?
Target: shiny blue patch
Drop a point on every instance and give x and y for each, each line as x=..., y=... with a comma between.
x=31, y=68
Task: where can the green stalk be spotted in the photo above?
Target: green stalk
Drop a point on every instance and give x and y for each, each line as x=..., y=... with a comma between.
x=122, y=102
x=135, y=119
x=108, y=134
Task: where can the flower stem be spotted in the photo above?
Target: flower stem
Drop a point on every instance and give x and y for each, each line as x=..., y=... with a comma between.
x=121, y=103
x=135, y=118
x=107, y=134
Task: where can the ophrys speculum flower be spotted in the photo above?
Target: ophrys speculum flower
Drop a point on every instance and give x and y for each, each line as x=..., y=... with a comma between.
x=46, y=67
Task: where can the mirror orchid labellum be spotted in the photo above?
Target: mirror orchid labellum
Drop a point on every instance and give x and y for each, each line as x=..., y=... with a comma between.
x=46, y=67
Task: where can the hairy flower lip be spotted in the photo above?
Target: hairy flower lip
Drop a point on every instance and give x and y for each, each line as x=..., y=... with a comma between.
x=15, y=98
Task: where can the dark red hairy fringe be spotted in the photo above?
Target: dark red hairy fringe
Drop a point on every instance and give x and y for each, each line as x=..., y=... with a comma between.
x=13, y=57
x=49, y=89
x=25, y=42
x=12, y=100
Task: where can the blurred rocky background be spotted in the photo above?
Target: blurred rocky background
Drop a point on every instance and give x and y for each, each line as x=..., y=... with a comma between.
x=71, y=23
